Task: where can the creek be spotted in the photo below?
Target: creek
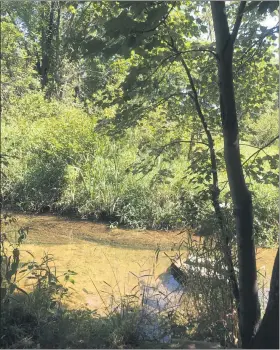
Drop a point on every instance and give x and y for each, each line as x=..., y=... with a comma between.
x=109, y=262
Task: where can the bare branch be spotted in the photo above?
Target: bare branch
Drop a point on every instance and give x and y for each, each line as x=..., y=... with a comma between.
x=164, y=99
x=248, y=145
x=172, y=143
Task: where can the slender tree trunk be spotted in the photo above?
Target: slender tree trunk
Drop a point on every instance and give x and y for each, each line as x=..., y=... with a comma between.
x=241, y=197
x=47, y=36
x=215, y=191
x=57, y=51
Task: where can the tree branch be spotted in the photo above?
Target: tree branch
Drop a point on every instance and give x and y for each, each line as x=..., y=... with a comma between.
x=164, y=99
x=261, y=149
x=248, y=145
x=160, y=64
x=201, y=50
x=159, y=24
x=238, y=21
x=172, y=143
x=257, y=45
x=254, y=154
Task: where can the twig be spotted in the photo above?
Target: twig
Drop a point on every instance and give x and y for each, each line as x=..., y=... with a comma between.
x=246, y=144
x=158, y=66
x=165, y=146
x=161, y=149
x=254, y=154
x=164, y=99
x=256, y=46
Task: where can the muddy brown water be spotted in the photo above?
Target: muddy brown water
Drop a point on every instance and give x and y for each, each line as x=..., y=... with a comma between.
x=108, y=261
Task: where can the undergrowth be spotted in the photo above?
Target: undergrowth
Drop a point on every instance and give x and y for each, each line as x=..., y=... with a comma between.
x=55, y=162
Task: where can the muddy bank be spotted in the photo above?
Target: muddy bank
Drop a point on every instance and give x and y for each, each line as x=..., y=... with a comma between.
x=52, y=229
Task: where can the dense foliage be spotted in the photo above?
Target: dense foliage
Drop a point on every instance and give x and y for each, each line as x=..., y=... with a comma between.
x=157, y=115
x=58, y=152
x=156, y=175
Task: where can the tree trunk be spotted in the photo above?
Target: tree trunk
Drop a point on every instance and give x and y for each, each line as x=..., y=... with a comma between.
x=47, y=36
x=215, y=190
x=241, y=197
x=57, y=52
x=267, y=336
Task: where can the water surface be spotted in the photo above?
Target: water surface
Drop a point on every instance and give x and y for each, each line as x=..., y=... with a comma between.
x=108, y=261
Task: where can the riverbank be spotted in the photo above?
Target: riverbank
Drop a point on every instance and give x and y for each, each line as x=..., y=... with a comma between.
x=54, y=229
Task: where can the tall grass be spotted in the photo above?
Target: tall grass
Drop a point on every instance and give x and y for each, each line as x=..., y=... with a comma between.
x=57, y=162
